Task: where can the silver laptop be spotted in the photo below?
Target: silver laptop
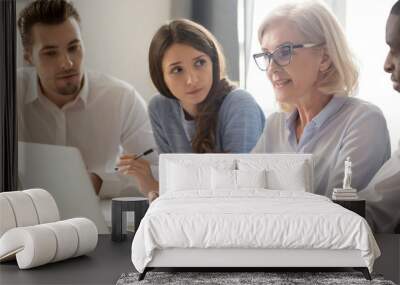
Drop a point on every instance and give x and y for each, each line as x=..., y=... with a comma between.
x=61, y=171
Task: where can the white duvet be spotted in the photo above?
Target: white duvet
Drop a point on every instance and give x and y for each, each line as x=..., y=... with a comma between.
x=252, y=218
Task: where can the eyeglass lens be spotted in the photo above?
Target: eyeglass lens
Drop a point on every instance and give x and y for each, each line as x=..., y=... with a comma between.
x=281, y=56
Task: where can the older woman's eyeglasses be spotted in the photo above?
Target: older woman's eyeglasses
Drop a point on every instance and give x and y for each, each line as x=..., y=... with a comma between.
x=281, y=56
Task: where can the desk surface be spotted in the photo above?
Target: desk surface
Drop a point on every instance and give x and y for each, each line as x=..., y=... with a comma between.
x=111, y=259
x=102, y=266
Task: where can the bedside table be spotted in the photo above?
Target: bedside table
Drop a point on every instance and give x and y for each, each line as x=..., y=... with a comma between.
x=119, y=207
x=356, y=206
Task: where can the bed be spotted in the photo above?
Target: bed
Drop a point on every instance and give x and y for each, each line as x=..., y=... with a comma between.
x=247, y=211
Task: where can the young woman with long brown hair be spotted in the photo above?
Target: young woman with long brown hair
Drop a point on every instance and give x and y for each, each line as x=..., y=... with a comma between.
x=198, y=109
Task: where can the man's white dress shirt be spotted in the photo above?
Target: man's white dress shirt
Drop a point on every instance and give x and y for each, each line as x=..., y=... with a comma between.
x=108, y=116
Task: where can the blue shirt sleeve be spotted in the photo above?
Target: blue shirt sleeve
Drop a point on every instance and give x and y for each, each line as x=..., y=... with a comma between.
x=241, y=122
x=368, y=150
x=156, y=109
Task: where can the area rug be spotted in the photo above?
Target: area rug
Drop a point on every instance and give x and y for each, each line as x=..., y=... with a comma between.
x=268, y=278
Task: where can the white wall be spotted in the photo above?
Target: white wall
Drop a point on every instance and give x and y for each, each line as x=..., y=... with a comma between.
x=117, y=36
x=371, y=49
x=181, y=9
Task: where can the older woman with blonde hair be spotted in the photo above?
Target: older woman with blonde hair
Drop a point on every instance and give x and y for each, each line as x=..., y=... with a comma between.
x=307, y=59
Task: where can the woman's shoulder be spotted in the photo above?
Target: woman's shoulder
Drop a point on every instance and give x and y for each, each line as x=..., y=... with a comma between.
x=358, y=109
x=239, y=94
x=359, y=105
x=159, y=102
x=238, y=98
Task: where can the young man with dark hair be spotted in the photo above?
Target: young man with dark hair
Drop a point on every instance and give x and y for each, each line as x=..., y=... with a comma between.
x=61, y=103
x=383, y=192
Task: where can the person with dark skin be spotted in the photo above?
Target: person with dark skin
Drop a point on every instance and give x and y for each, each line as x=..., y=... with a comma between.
x=383, y=192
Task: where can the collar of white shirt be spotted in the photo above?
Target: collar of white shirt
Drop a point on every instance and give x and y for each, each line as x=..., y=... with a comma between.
x=334, y=105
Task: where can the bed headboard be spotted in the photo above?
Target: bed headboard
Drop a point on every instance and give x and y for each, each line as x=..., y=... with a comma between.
x=285, y=168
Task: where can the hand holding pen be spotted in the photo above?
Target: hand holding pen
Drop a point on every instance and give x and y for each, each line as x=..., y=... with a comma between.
x=130, y=157
x=130, y=164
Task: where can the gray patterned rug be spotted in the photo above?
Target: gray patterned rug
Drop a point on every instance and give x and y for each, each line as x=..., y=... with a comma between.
x=269, y=278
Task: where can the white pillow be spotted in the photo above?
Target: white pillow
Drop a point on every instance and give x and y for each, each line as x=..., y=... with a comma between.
x=293, y=179
x=223, y=179
x=227, y=179
x=183, y=177
x=281, y=174
x=251, y=178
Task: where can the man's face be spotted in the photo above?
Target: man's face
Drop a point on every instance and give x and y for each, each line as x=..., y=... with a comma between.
x=392, y=62
x=57, y=54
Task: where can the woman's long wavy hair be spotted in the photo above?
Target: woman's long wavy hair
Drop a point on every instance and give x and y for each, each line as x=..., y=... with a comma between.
x=186, y=32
